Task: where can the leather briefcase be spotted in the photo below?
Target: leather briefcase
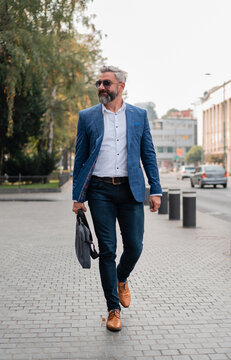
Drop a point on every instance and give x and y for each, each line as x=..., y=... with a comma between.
x=84, y=246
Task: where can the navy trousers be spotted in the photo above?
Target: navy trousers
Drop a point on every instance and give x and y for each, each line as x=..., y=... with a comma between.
x=107, y=203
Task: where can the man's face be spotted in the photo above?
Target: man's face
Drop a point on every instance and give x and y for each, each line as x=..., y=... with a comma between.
x=108, y=94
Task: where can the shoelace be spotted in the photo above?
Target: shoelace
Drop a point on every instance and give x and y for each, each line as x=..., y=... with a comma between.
x=114, y=312
x=124, y=286
x=124, y=289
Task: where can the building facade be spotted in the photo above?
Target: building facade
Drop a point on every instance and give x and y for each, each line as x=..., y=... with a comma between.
x=216, y=125
x=173, y=137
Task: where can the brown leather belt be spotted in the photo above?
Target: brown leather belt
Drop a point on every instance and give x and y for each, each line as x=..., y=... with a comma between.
x=112, y=180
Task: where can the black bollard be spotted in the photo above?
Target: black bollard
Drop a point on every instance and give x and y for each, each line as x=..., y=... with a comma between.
x=147, y=194
x=189, y=209
x=174, y=204
x=163, y=209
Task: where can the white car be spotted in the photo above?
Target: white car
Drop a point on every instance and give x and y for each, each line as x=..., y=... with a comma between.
x=185, y=172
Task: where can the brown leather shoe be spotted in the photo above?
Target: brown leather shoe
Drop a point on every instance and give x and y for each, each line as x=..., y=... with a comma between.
x=124, y=294
x=113, y=320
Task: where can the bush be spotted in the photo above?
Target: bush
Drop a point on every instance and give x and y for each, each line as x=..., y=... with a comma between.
x=37, y=164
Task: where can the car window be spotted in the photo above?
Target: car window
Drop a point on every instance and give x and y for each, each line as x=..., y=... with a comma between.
x=189, y=168
x=215, y=168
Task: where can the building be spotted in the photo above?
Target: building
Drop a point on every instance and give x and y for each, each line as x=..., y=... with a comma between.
x=215, y=115
x=173, y=137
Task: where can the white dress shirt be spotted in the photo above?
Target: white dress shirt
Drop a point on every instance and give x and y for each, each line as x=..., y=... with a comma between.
x=112, y=158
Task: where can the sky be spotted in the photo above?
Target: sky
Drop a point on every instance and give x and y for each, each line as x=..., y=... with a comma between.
x=167, y=47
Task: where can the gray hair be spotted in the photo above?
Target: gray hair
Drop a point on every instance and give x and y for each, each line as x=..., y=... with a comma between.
x=119, y=74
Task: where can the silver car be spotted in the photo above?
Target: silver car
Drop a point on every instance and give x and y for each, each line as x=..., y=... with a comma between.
x=209, y=175
x=185, y=172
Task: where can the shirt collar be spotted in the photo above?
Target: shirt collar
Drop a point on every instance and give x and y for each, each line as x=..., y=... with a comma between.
x=104, y=109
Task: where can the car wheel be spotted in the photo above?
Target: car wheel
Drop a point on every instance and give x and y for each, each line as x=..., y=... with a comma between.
x=225, y=185
x=201, y=185
x=192, y=185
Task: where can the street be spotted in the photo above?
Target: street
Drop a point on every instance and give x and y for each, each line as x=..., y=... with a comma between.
x=216, y=202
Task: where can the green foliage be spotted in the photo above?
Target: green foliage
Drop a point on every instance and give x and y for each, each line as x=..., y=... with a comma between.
x=214, y=158
x=169, y=112
x=36, y=164
x=194, y=155
x=151, y=109
x=47, y=72
x=27, y=113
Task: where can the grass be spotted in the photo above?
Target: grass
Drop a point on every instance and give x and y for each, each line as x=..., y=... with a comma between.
x=51, y=185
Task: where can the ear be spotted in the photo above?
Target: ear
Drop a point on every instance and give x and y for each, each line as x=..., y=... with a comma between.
x=122, y=84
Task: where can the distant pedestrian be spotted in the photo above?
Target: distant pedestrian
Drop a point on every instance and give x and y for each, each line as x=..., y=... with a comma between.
x=113, y=138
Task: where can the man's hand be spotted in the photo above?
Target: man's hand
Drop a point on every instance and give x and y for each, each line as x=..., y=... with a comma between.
x=77, y=206
x=155, y=202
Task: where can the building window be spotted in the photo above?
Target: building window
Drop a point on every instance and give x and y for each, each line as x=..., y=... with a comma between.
x=157, y=137
x=160, y=149
x=170, y=149
x=168, y=125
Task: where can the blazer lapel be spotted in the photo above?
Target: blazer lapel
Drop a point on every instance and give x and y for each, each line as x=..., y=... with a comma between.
x=130, y=124
x=98, y=120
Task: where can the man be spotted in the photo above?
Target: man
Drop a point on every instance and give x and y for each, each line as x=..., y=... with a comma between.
x=112, y=139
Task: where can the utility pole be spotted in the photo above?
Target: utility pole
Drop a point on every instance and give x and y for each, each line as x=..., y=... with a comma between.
x=224, y=128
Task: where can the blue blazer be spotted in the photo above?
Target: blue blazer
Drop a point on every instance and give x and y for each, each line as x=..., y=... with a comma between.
x=139, y=147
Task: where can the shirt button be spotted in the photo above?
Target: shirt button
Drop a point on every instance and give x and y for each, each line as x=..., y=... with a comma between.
x=117, y=154
x=117, y=139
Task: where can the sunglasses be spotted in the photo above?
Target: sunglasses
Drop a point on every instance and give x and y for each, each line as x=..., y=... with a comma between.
x=106, y=83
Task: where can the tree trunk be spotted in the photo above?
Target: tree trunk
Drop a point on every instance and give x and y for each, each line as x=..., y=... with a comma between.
x=52, y=121
x=1, y=161
x=65, y=159
x=70, y=159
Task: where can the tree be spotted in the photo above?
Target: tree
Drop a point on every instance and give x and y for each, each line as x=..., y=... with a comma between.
x=194, y=155
x=39, y=40
x=168, y=113
x=151, y=109
x=27, y=113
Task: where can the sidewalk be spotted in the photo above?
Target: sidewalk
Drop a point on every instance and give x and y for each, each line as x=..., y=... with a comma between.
x=53, y=309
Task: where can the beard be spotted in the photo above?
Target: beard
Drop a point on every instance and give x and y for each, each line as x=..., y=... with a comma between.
x=106, y=96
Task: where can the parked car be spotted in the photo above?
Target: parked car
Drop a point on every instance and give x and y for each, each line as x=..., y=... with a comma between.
x=185, y=172
x=209, y=175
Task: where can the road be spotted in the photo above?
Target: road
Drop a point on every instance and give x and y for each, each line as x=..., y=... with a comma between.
x=216, y=202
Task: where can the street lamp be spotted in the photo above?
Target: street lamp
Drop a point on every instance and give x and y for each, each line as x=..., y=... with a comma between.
x=224, y=124
x=224, y=127
x=196, y=104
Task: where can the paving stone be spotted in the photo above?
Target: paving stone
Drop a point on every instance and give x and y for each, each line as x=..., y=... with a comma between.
x=170, y=352
x=219, y=356
x=52, y=309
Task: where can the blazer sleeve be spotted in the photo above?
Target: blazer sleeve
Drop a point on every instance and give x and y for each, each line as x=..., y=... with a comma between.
x=81, y=150
x=148, y=157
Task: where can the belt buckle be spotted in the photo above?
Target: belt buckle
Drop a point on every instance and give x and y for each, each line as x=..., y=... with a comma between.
x=116, y=183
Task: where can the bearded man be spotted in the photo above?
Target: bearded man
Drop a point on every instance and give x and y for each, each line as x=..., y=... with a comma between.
x=113, y=139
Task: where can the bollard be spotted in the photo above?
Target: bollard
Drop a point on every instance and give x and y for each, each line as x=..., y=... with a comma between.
x=147, y=194
x=174, y=204
x=189, y=209
x=163, y=209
